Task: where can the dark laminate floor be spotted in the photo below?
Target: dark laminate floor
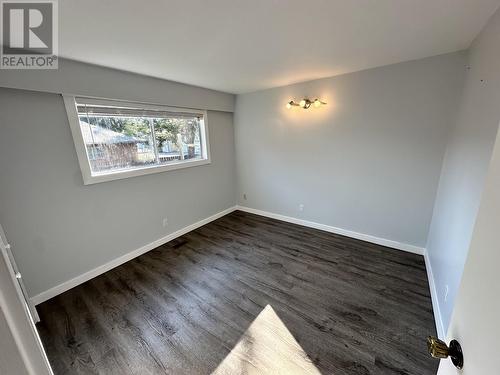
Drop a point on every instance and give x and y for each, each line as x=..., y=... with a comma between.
x=280, y=296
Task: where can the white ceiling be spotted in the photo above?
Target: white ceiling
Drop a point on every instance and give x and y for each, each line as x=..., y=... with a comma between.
x=246, y=45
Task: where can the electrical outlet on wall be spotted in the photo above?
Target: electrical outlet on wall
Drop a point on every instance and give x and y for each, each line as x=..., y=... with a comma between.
x=301, y=207
x=165, y=222
x=244, y=196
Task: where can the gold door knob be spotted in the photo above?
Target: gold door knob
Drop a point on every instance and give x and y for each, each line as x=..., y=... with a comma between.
x=438, y=349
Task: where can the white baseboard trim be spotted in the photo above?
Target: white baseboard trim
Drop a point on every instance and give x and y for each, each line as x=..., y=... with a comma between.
x=58, y=289
x=434, y=297
x=344, y=232
x=61, y=288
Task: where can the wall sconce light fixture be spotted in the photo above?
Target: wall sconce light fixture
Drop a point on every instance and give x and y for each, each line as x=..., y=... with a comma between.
x=305, y=103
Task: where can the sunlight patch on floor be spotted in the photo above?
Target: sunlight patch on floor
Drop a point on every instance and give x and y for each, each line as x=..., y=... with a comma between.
x=267, y=347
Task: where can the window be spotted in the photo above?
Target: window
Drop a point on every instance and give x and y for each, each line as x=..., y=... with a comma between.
x=121, y=139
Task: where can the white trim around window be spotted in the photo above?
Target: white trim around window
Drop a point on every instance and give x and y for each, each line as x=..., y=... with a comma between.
x=92, y=177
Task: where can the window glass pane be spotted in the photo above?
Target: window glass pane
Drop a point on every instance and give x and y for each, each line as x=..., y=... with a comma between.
x=119, y=137
x=177, y=139
x=114, y=143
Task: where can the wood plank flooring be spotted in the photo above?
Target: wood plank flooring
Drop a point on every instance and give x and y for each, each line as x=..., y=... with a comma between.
x=247, y=294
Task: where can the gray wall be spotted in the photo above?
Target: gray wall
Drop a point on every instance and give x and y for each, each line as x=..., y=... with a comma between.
x=368, y=162
x=60, y=228
x=465, y=165
x=78, y=78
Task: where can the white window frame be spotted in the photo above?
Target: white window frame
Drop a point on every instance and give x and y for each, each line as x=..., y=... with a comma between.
x=90, y=177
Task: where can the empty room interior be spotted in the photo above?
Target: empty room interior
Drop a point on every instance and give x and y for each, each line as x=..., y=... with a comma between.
x=249, y=187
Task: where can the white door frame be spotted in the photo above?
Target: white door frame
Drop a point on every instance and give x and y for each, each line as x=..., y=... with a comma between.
x=18, y=276
x=18, y=316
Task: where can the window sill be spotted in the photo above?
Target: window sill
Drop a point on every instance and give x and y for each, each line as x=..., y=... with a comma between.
x=118, y=175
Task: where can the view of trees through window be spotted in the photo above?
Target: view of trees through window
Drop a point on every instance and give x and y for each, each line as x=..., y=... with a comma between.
x=122, y=142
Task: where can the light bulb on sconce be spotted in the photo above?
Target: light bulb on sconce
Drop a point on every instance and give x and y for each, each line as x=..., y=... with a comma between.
x=305, y=103
x=318, y=103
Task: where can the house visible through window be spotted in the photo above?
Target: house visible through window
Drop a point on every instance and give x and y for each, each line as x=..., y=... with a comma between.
x=128, y=139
